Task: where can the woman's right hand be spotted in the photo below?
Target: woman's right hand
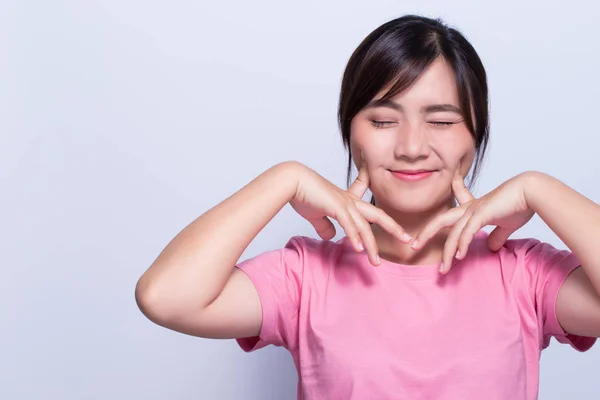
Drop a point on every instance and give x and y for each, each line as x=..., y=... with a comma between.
x=317, y=200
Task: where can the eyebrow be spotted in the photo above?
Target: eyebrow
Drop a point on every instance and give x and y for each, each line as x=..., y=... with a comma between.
x=387, y=103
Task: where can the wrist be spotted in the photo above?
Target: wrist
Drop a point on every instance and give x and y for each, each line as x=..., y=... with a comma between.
x=532, y=184
x=287, y=176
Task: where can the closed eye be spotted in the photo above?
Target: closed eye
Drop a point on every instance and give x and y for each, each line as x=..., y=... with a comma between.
x=381, y=124
x=442, y=124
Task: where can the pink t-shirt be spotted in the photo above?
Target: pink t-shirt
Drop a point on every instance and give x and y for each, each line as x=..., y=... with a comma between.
x=406, y=332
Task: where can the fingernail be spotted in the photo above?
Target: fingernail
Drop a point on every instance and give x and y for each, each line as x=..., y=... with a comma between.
x=406, y=236
x=457, y=256
x=377, y=259
x=414, y=245
x=360, y=245
x=442, y=267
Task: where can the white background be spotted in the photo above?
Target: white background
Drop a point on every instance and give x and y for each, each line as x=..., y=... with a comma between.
x=122, y=121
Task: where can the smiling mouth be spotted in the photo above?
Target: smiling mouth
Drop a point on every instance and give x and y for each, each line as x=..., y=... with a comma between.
x=412, y=175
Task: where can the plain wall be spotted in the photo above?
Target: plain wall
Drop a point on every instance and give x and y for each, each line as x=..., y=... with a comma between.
x=122, y=121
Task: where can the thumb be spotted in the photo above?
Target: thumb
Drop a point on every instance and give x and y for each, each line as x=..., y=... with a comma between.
x=361, y=183
x=460, y=190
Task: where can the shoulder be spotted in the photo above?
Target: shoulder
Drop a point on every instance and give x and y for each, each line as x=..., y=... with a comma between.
x=519, y=248
x=533, y=252
x=514, y=253
x=522, y=246
x=311, y=248
x=527, y=259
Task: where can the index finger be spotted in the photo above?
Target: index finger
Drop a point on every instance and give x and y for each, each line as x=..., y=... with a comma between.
x=460, y=189
x=361, y=184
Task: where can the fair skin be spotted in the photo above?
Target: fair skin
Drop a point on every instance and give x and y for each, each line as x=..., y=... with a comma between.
x=421, y=128
x=193, y=286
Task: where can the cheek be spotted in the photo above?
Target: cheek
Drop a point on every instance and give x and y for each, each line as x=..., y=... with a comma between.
x=468, y=161
x=364, y=137
x=456, y=150
x=356, y=141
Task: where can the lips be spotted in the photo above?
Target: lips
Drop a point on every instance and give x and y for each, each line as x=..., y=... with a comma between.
x=413, y=171
x=412, y=175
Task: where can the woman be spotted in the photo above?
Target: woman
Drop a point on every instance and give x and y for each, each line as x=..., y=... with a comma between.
x=417, y=301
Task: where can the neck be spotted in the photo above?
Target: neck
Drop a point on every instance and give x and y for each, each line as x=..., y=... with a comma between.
x=393, y=250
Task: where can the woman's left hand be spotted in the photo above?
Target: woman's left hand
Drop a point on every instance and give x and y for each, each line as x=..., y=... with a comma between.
x=505, y=207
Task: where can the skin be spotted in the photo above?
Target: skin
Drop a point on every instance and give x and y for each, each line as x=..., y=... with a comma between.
x=413, y=139
x=414, y=131
x=193, y=286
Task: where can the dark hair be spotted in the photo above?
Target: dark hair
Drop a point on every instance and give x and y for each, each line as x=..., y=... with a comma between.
x=396, y=54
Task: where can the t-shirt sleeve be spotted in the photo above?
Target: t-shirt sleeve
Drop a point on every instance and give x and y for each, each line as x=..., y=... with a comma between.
x=277, y=276
x=545, y=269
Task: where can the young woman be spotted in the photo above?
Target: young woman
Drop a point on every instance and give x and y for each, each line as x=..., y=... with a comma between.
x=416, y=301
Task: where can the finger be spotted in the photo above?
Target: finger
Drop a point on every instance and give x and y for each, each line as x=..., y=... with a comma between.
x=498, y=237
x=473, y=226
x=379, y=217
x=444, y=220
x=460, y=190
x=361, y=183
x=324, y=227
x=349, y=226
x=366, y=235
x=452, y=243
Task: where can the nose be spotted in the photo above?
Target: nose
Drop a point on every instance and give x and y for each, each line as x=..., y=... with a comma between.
x=412, y=142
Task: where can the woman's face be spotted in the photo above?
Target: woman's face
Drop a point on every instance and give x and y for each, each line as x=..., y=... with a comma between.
x=420, y=129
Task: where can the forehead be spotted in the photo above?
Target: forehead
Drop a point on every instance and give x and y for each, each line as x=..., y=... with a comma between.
x=436, y=84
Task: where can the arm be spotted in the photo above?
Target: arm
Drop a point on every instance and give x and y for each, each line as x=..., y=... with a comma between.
x=193, y=287
x=575, y=219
